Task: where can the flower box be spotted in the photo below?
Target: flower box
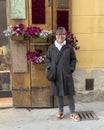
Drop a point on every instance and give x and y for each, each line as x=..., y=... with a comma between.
x=40, y=66
x=35, y=57
x=38, y=40
x=17, y=38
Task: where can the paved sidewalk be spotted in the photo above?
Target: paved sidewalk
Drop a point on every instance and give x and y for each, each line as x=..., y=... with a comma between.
x=44, y=119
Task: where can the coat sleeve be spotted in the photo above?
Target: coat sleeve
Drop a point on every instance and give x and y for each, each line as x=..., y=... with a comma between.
x=72, y=59
x=48, y=59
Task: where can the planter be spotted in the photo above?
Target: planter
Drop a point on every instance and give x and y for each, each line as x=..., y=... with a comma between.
x=38, y=40
x=17, y=38
x=40, y=66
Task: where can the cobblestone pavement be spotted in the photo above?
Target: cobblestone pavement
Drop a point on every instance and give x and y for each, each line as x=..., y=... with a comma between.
x=44, y=119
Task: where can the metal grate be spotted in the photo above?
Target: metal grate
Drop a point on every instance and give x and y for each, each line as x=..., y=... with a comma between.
x=89, y=84
x=87, y=115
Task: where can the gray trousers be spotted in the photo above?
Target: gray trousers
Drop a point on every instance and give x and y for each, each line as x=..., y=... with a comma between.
x=71, y=103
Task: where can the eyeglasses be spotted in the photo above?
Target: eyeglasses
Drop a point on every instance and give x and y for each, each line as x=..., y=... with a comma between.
x=60, y=34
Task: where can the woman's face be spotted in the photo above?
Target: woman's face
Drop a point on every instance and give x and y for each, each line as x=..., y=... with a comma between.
x=60, y=37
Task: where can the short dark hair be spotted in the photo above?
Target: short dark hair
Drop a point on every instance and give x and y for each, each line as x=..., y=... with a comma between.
x=61, y=30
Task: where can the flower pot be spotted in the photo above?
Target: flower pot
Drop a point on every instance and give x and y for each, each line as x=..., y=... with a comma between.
x=38, y=40
x=17, y=38
x=40, y=66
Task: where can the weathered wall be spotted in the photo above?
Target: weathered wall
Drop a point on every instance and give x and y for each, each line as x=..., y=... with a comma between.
x=80, y=76
x=88, y=25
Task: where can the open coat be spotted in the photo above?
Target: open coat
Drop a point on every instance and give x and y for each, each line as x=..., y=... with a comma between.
x=63, y=85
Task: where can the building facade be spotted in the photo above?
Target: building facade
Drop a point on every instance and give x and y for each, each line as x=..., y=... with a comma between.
x=84, y=19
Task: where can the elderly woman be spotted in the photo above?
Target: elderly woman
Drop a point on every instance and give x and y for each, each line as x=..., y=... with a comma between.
x=63, y=84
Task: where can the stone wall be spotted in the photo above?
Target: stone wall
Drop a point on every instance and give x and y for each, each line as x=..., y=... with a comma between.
x=97, y=92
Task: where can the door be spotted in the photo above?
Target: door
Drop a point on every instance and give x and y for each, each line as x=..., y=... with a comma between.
x=40, y=16
x=47, y=14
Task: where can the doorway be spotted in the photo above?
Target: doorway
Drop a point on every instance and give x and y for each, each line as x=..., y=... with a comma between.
x=55, y=13
x=5, y=87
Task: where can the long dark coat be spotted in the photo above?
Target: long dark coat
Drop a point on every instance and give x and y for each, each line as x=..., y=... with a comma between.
x=63, y=85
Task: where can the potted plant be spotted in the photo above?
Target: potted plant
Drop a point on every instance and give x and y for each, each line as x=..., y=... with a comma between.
x=72, y=40
x=37, y=34
x=16, y=32
x=36, y=58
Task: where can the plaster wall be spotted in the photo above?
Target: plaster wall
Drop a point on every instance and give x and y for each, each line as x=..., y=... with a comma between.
x=88, y=26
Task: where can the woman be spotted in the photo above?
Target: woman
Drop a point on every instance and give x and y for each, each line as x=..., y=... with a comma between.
x=63, y=84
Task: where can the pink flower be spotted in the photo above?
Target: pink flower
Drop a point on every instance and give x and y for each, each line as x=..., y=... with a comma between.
x=18, y=29
x=35, y=57
x=71, y=39
x=33, y=31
